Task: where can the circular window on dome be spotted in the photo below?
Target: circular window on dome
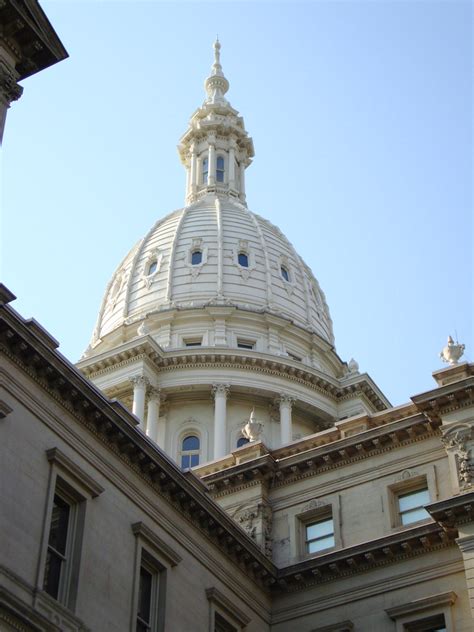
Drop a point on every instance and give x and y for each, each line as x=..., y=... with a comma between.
x=152, y=268
x=243, y=259
x=196, y=257
x=284, y=273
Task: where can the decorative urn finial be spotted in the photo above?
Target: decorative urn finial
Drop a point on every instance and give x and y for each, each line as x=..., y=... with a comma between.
x=353, y=367
x=253, y=428
x=452, y=352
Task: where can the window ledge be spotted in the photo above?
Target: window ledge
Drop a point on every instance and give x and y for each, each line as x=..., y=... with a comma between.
x=58, y=614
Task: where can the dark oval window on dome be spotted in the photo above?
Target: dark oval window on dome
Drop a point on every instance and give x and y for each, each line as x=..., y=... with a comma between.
x=243, y=260
x=242, y=441
x=284, y=273
x=152, y=267
x=196, y=258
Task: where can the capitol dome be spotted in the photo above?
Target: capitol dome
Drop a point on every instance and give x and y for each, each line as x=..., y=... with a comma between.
x=213, y=314
x=214, y=252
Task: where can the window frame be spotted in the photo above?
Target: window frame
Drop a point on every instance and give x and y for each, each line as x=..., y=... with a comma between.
x=192, y=342
x=308, y=541
x=75, y=487
x=287, y=276
x=197, y=251
x=190, y=453
x=223, y=606
x=243, y=253
x=409, y=482
x=218, y=171
x=315, y=511
x=246, y=344
x=156, y=557
x=414, y=616
x=205, y=171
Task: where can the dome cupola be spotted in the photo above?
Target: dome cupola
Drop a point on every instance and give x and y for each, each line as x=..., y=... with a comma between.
x=216, y=148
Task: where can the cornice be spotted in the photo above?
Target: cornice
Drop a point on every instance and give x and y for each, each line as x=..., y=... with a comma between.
x=222, y=358
x=277, y=472
x=28, y=34
x=446, y=399
x=454, y=511
x=363, y=557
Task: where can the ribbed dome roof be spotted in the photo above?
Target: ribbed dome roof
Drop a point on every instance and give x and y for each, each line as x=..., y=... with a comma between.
x=158, y=274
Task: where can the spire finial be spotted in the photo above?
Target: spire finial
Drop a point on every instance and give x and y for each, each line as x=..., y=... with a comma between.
x=216, y=84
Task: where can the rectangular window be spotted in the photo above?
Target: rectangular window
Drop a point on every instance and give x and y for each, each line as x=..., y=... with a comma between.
x=410, y=505
x=147, y=605
x=245, y=344
x=58, y=556
x=319, y=535
x=194, y=342
x=431, y=624
x=222, y=625
x=293, y=356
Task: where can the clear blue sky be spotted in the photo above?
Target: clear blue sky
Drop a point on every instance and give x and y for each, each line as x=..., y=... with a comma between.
x=361, y=118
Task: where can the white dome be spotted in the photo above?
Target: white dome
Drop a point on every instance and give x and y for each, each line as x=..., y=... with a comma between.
x=158, y=274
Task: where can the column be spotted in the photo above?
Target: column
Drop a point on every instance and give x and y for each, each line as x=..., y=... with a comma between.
x=232, y=164
x=193, y=170
x=286, y=430
x=211, y=177
x=153, y=415
x=140, y=383
x=242, y=181
x=220, y=392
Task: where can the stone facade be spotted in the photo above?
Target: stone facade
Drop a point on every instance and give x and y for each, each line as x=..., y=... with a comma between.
x=304, y=501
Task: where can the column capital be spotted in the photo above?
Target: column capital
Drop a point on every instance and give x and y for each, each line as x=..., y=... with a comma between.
x=155, y=394
x=221, y=390
x=10, y=90
x=285, y=400
x=140, y=381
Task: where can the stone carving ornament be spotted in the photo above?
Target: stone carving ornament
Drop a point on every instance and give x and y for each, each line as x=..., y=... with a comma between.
x=452, y=352
x=456, y=440
x=253, y=429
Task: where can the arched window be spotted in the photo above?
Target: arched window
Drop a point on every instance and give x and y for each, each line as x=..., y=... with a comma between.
x=220, y=169
x=152, y=267
x=243, y=259
x=284, y=273
x=196, y=257
x=190, y=448
x=242, y=441
x=205, y=169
